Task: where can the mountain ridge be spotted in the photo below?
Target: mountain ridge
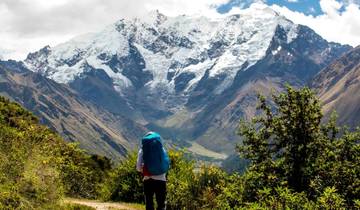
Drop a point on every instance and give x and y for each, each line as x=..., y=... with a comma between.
x=60, y=108
x=337, y=86
x=188, y=77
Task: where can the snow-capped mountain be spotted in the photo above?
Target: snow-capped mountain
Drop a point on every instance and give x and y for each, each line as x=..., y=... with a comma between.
x=190, y=77
x=166, y=49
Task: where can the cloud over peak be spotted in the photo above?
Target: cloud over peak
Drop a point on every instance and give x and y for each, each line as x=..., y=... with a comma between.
x=339, y=23
x=29, y=25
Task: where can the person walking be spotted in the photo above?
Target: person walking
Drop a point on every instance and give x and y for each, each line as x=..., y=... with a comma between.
x=153, y=162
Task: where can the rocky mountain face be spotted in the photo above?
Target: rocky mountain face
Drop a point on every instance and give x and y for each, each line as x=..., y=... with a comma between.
x=338, y=87
x=59, y=107
x=190, y=78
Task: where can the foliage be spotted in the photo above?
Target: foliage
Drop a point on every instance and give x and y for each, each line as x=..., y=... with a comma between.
x=331, y=200
x=82, y=174
x=291, y=149
x=37, y=167
x=124, y=182
x=291, y=137
x=184, y=184
x=231, y=192
x=296, y=162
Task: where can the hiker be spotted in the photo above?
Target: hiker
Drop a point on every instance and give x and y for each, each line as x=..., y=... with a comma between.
x=153, y=162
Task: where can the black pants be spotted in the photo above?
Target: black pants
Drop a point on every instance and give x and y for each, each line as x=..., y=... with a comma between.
x=158, y=188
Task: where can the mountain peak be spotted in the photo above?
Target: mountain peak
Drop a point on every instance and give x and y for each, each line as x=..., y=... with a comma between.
x=167, y=46
x=154, y=16
x=163, y=50
x=187, y=71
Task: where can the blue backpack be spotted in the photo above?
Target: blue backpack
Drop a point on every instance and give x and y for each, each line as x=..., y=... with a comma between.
x=156, y=160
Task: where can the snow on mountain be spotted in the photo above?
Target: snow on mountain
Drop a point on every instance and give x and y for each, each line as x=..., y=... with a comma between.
x=191, y=77
x=167, y=47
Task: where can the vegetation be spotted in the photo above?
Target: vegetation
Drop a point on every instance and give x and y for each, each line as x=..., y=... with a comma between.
x=292, y=152
x=294, y=161
x=37, y=168
x=124, y=182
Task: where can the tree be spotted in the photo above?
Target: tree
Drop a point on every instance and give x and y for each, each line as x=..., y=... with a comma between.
x=289, y=146
x=290, y=133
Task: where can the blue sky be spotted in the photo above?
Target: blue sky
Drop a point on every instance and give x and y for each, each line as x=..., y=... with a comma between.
x=308, y=7
x=304, y=6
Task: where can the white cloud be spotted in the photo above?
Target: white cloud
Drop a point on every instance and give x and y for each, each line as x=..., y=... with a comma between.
x=2, y=52
x=336, y=24
x=330, y=7
x=293, y=1
x=191, y=7
x=29, y=25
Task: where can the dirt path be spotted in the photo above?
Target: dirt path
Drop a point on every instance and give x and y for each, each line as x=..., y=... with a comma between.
x=101, y=205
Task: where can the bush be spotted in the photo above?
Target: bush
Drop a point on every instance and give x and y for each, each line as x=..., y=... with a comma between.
x=296, y=162
x=124, y=182
x=80, y=173
x=331, y=200
x=180, y=185
x=231, y=192
x=185, y=183
x=37, y=167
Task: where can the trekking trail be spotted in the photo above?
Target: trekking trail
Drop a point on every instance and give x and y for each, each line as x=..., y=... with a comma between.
x=101, y=205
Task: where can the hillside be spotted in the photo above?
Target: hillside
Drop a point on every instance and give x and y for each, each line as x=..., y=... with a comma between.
x=59, y=107
x=287, y=171
x=338, y=87
x=38, y=168
x=191, y=78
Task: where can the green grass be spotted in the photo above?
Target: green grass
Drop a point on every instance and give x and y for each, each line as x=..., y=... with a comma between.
x=177, y=120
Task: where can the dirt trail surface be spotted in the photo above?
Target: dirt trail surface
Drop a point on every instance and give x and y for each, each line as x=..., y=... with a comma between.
x=100, y=205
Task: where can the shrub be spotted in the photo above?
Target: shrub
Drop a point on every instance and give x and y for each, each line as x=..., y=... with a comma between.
x=124, y=182
x=37, y=167
x=81, y=173
x=331, y=200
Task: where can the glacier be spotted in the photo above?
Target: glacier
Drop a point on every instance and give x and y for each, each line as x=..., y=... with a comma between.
x=169, y=46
